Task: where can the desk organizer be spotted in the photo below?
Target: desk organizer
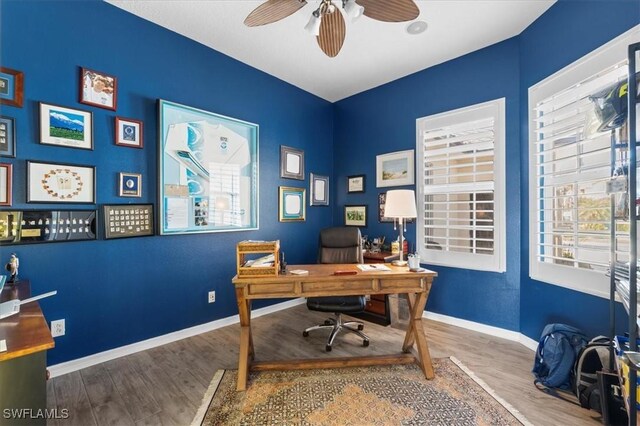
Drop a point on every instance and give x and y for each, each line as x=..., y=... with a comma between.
x=266, y=248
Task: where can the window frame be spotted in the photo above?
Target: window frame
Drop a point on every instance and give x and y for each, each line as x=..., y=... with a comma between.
x=586, y=281
x=497, y=261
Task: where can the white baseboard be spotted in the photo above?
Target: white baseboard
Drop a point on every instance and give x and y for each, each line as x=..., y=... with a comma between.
x=80, y=363
x=514, y=336
x=88, y=361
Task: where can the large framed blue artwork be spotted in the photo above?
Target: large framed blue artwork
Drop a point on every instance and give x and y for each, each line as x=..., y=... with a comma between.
x=208, y=171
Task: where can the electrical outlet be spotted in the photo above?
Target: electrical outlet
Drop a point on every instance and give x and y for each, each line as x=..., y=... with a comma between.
x=212, y=296
x=57, y=328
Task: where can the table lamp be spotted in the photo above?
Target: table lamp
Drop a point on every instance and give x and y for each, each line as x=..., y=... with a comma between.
x=400, y=204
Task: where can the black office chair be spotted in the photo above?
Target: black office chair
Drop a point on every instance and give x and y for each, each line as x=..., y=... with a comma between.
x=339, y=245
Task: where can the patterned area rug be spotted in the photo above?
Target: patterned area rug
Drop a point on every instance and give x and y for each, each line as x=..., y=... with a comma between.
x=386, y=395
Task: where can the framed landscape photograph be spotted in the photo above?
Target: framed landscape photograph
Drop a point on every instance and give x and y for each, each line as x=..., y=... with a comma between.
x=355, y=183
x=291, y=163
x=355, y=216
x=395, y=169
x=130, y=185
x=319, y=190
x=7, y=137
x=208, y=171
x=11, y=87
x=98, y=89
x=6, y=177
x=68, y=127
x=291, y=204
x=60, y=183
x=129, y=132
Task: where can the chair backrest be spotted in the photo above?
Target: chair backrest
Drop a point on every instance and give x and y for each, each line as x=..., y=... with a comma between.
x=340, y=245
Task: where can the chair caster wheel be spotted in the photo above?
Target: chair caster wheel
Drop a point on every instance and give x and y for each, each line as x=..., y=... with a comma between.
x=327, y=322
x=360, y=327
x=305, y=334
x=365, y=343
x=327, y=348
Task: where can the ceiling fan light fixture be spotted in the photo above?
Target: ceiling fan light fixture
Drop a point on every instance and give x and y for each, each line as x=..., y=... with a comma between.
x=313, y=26
x=352, y=9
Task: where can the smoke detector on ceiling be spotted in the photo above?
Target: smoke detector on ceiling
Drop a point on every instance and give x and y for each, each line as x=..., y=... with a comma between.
x=416, y=27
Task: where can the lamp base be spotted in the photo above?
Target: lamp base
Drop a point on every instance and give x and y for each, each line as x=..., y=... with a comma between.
x=399, y=263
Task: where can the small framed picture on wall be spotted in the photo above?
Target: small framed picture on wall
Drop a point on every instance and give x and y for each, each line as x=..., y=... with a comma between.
x=98, y=89
x=11, y=87
x=129, y=132
x=7, y=137
x=6, y=176
x=68, y=127
x=355, y=184
x=319, y=190
x=60, y=183
x=130, y=185
x=291, y=163
x=355, y=216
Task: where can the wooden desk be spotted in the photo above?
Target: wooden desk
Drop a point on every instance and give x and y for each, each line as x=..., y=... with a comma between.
x=377, y=309
x=321, y=282
x=23, y=367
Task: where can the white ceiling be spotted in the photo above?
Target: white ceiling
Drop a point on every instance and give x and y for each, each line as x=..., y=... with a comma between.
x=374, y=53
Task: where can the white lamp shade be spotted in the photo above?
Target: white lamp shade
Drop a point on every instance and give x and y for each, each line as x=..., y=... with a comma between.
x=313, y=26
x=400, y=203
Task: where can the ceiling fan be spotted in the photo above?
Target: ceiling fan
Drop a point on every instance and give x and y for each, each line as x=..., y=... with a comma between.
x=327, y=22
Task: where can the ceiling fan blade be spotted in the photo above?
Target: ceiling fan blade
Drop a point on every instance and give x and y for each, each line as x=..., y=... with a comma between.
x=332, y=33
x=273, y=11
x=390, y=10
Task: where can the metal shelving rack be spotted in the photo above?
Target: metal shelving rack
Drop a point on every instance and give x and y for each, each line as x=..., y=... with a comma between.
x=629, y=274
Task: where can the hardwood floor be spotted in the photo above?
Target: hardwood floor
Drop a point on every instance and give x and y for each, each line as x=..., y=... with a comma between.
x=165, y=385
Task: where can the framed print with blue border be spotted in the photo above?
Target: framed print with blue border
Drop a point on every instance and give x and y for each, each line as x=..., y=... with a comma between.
x=291, y=205
x=11, y=87
x=129, y=132
x=7, y=137
x=208, y=171
x=319, y=190
x=130, y=185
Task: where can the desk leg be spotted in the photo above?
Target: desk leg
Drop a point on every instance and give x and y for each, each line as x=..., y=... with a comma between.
x=409, y=338
x=252, y=351
x=418, y=333
x=246, y=341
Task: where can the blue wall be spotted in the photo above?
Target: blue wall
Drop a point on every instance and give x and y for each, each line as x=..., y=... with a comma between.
x=383, y=120
x=565, y=33
x=117, y=292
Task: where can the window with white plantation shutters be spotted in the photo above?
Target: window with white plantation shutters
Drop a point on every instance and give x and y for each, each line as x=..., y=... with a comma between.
x=569, y=167
x=461, y=194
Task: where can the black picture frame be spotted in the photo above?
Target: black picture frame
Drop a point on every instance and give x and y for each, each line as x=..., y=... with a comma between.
x=112, y=219
x=359, y=182
x=355, y=221
x=7, y=137
x=36, y=226
x=54, y=197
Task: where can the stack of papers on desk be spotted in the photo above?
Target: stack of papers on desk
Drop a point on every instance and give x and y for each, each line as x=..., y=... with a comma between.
x=261, y=262
x=373, y=267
